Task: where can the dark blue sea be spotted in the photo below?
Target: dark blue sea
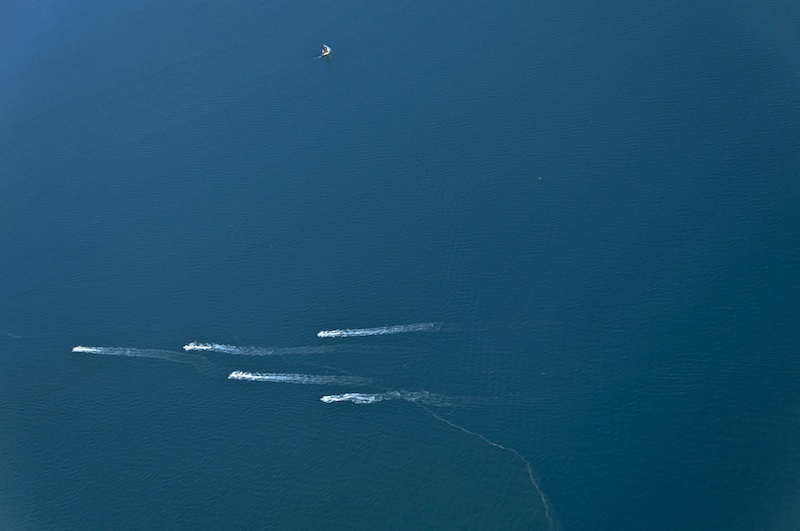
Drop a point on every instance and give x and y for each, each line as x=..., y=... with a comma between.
x=590, y=210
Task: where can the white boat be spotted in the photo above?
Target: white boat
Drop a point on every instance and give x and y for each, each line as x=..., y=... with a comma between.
x=326, y=50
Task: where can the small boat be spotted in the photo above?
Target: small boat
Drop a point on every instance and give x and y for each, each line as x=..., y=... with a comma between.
x=326, y=50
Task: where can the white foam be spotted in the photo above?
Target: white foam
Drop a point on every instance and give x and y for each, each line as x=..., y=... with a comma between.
x=306, y=379
x=90, y=350
x=356, y=398
x=200, y=346
x=381, y=330
x=422, y=397
x=256, y=351
x=130, y=352
x=227, y=349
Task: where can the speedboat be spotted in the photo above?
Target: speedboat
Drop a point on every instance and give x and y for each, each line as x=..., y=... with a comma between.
x=326, y=50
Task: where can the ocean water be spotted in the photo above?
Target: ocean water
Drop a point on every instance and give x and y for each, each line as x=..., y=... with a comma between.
x=593, y=210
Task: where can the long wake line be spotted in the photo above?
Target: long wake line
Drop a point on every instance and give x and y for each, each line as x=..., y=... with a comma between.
x=307, y=379
x=551, y=523
x=381, y=330
x=257, y=351
x=199, y=362
x=370, y=398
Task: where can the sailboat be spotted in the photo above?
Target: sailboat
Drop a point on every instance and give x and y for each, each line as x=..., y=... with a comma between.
x=326, y=50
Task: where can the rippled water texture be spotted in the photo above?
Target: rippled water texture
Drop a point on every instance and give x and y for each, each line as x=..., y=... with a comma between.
x=514, y=265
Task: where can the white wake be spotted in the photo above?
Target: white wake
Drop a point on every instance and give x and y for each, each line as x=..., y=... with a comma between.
x=90, y=350
x=257, y=351
x=422, y=397
x=381, y=330
x=307, y=379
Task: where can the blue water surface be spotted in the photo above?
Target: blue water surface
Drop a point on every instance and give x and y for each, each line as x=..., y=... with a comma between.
x=598, y=202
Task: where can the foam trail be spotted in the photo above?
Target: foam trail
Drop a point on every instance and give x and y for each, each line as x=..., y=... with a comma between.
x=257, y=351
x=199, y=362
x=307, y=379
x=381, y=330
x=90, y=350
x=409, y=396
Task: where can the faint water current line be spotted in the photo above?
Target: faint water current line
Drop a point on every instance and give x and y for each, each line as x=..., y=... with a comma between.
x=551, y=522
x=551, y=525
x=200, y=363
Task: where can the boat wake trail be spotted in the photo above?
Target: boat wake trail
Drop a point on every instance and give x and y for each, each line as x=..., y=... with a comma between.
x=422, y=397
x=306, y=379
x=381, y=330
x=198, y=362
x=258, y=351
